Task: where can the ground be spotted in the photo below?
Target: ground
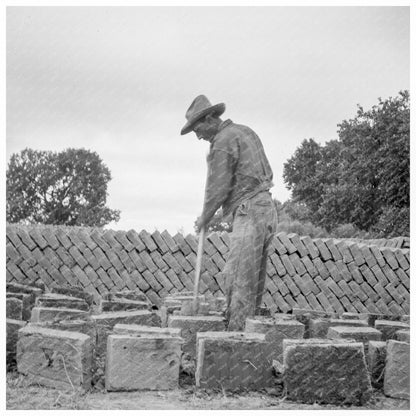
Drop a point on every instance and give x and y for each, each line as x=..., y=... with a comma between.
x=21, y=396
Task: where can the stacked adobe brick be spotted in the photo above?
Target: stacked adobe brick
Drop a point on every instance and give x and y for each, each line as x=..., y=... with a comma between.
x=320, y=274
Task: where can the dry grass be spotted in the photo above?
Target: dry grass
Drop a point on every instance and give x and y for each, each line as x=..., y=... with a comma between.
x=20, y=395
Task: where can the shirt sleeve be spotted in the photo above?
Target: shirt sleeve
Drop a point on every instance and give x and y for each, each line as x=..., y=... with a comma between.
x=219, y=182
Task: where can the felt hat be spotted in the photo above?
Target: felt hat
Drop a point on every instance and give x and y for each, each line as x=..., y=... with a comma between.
x=199, y=108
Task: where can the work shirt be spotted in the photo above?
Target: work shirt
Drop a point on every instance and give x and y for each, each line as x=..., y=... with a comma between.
x=238, y=169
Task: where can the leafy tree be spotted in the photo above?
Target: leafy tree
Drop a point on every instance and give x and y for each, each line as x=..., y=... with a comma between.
x=67, y=188
x=363, y=178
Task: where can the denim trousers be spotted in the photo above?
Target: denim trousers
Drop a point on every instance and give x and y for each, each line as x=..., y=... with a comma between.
x=254, y=226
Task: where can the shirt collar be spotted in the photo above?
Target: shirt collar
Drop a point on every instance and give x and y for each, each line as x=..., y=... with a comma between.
x=224, y=124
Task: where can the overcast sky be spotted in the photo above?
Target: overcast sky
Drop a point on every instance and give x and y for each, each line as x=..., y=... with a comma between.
x=118, y=81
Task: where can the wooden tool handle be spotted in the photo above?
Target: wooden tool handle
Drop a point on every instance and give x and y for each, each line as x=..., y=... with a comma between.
x=198, y=268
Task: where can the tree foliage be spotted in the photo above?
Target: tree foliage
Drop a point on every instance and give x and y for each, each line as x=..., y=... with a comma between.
x=66, y=188
x=363, y=178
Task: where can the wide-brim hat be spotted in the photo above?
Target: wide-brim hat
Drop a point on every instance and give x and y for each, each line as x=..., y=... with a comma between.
x=199, y=108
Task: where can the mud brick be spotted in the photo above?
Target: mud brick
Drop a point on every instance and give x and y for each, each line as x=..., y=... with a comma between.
x=153, y=297
x=316, y=372
x=56, y=300
x=343, y=269
x=151, y=280
x=121, y=305
x=289, y=299
x=190, y=325
x=369, y=291
x=360, y=334
x=128, y=282
x=59, y=359
x=155, y=367
x=291, y=285
x=311, y=269
x=283, y=237
x=320, y=266
x=77, y=256
x=330, y=243
x=103, y=275
x=397, y=371
x=383, y=293
x=348, y=322
x=44, y=314
x=146, y=238
x=395, y=308
x=368, y=275
x=288, y=265
x=368, y=256
x=74, y=292
x=322, y=285
x=134, y=294
x=52, y=257
x=310, y=246
x=65, y=257
x=403, y=335
x=209, y=266
x=346, y=303
x=126, y=261
x=389, y=328
x=24, y=288
x=218, y=243
x=275, y=331
x=333, y=270
x=359, y=306
x=376, y=361
x=105, y=322
x=14, y=308
x=355, y=273
x=356, y=253
x=25, y=238
x=325, y=254
x=220, y=279
x=137, y=330
x=268, y=302
x=296, y=241
x=160, y=242
x=318, y=327
x=297, y=264
x=301, y=284
x=404, y=277
x=147, y=261
x=225, y=237
x=137, y=261
x=158, y=260
x=15, y=272
x=99, y=240
x=401, y=259
x=282, y=288
x=184, y=264
x=378, y=255
x=192, y=242
x=85, y=237
x=382, y=307
x=281, y=303
x=12, y=235
x=278, y=246
x=38, y=238
x=378, y=273
x=232, y=361
x=313, y=302
x=163, y=280
x=26, y=254
x=135, y=240
x=333, y=287
x=12, y=329
x=391, y=276
x=270, y=286
x=335, y=303
x=355, y=315
x=274, y=258
x=121, y=238
x=171, y=275
x=187, y=280
x=302, y=302
x=27, y=303
x=344, y=251
x=182, y=244
x=345, y=288
x=389, y=257
x=169, y=241
x=11, y=253
x=371, y=307
x=403, y=292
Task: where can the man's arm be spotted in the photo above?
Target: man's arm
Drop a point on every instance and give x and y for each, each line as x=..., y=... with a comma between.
x=219, y=184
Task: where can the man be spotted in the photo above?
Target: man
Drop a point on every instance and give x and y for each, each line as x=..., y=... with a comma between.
x=239, y=179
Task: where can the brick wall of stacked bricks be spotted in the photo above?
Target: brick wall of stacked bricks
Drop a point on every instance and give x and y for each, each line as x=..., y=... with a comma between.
x=320, y=274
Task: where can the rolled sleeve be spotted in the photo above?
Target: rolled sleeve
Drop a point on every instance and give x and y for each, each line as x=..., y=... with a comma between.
x=219, y=182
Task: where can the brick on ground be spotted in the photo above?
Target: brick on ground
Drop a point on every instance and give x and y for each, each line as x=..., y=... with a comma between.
x=397, y=371
x=56, y=300
x=403, y=335
x=27, y=304
x=389, y=328
x=59, y=359
x=155, y=365
x=232, y=361
x=132, y=329
x=117, y=305
x=317, y=372
x=190, y=325
x=42, y=314
x=376, y=362
x=12, y=329
x=275, y=331
x=14, y=308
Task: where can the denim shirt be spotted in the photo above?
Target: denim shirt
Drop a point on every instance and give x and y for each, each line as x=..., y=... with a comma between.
x=238, y=169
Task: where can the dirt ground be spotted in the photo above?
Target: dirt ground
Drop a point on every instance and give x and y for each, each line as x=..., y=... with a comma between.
x=21, y=396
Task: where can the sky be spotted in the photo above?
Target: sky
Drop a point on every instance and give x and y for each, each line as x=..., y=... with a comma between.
x=118, y=81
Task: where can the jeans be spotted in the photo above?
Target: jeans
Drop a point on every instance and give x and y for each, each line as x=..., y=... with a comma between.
x=254, y=226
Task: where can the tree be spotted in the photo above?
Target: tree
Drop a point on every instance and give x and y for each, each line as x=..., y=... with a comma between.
x=65, y=188
x=363, y=178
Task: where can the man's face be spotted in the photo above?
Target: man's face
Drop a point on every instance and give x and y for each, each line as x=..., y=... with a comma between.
x=205, y=129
